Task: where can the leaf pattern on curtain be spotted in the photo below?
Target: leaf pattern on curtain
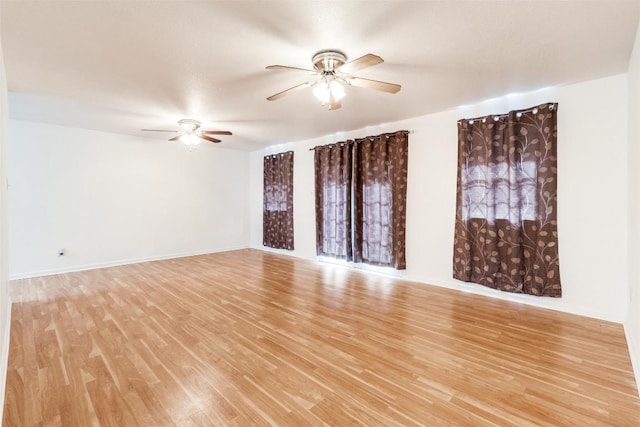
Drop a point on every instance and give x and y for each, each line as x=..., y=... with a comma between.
x=380, y=194
x=506, y=217
x=277, y=213
x=333, y=182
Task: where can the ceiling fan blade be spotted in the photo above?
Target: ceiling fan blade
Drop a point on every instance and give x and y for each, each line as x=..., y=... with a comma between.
x=288, y=91
x=158, y=130
x=374, y=84
x=208, y=138
x=216, y=132
x=176, y=138
x=366, y=61
x=286, y=68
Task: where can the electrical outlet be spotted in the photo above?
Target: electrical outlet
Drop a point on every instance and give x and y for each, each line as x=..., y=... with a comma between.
x=62, y=252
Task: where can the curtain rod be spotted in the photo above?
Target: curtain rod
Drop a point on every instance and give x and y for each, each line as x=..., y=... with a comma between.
x=279, y=154
x=362, y=139
x=519, y=113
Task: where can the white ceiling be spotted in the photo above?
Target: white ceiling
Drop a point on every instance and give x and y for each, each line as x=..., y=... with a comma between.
x=123, y=66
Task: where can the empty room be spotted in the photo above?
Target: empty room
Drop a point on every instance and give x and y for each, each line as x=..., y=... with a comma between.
x=319, y=213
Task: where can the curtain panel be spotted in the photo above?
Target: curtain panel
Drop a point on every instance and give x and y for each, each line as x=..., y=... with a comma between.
x=506, y=217
x=361, y=191
x=380, y=195
x=277, y=213
x=333, y=183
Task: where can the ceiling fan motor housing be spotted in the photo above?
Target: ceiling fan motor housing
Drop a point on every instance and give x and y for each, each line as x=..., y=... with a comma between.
x=327, y=61
x=189, y=125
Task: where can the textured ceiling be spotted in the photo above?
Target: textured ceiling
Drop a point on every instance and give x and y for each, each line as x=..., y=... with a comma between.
x=123, y=66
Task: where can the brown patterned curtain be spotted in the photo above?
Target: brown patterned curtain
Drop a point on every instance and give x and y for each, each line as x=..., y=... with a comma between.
x=333, y=182
x=277, y=213
x=380, y=194
x=506, y=230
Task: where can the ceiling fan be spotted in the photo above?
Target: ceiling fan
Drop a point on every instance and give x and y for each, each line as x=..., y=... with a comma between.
x=191, y=134
x=333, y=72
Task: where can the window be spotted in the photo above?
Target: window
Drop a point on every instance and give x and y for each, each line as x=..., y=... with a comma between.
x=500, y=191
x=377, y=223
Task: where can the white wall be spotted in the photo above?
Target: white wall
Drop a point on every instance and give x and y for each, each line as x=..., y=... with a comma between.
x=632, y=323
x=5, y=304
x=592, y=194
x=112, y=199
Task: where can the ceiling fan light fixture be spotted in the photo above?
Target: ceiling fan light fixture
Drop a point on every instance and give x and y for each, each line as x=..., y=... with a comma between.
x=190, y=139
x=327, y=91
x=337, y=90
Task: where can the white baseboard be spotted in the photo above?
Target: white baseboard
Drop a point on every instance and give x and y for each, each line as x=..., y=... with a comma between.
x=4, y=357
x=557, y=304
x=634, y=353
x=115, y=263
x=543, y=302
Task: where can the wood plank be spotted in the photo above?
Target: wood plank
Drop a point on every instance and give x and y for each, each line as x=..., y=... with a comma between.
x=254, y=338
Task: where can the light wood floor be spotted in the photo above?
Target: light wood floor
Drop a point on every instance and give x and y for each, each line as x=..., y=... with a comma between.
x=250, y=338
